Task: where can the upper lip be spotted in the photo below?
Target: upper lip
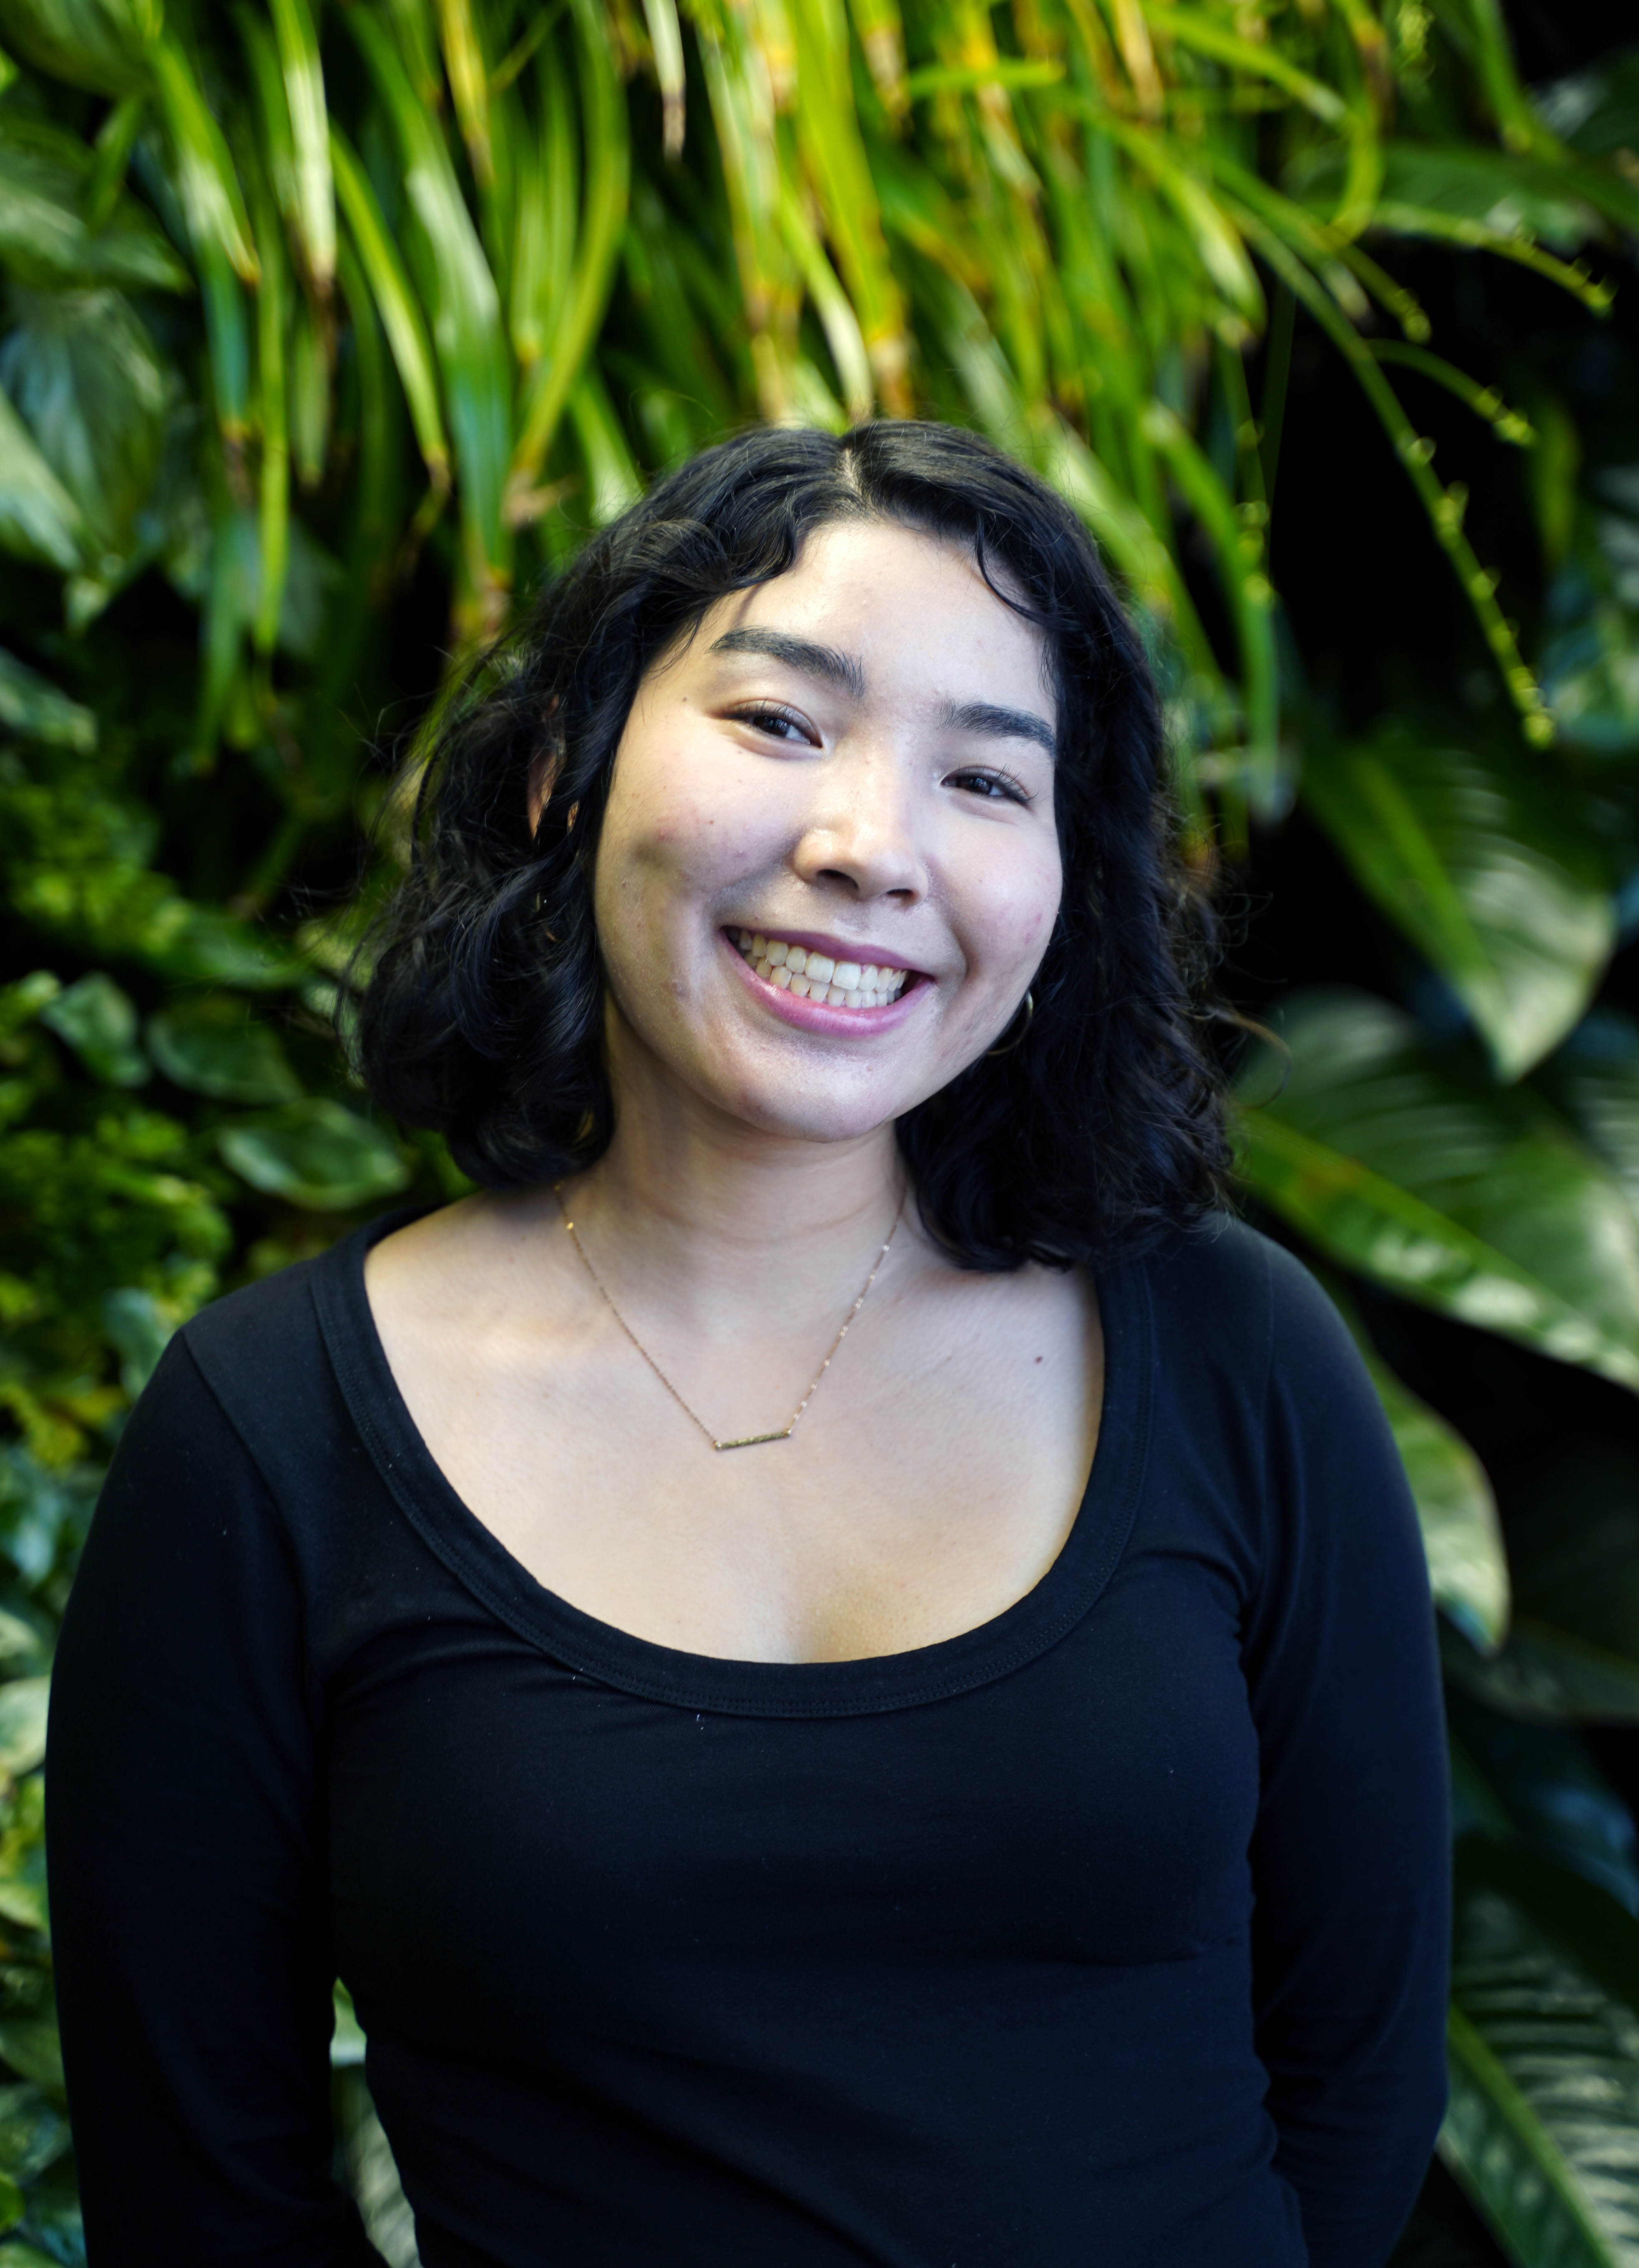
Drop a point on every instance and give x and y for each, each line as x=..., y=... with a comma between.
x=839, y=948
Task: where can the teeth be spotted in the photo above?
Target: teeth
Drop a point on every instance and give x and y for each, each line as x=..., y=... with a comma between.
x=816, y=976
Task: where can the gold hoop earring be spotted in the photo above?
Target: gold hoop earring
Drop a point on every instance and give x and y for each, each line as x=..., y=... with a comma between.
x=1008, y=1046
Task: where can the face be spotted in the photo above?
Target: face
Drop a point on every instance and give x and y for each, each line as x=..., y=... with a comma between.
x=828, y=868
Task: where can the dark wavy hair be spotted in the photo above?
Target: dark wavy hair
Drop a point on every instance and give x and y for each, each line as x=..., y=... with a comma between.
x=481, y=1013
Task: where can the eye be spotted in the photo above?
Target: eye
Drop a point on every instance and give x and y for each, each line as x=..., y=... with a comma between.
x=777, y=724
x=996, y=787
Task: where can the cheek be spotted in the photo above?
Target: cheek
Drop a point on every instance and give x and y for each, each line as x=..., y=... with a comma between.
x=1012, y=903
x=674, y=837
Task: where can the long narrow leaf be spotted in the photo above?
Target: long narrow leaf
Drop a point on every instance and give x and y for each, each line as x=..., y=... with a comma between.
x=210, y=188
x=304, y=91
x=396, y=302
x=603, y=216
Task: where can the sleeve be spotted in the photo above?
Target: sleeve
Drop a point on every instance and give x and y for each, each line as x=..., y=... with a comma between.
x=185, y=1840
x=1351, y=1852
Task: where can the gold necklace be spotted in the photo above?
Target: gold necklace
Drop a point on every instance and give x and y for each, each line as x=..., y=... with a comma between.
x=746, y=1441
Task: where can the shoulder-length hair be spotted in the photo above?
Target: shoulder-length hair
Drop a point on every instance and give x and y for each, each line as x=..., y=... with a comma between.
x=482, y=1014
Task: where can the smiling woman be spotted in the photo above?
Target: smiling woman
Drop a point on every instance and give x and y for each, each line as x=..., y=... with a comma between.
x=957, y=1826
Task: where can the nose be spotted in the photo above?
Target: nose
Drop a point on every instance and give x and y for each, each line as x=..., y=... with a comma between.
x=862, y=835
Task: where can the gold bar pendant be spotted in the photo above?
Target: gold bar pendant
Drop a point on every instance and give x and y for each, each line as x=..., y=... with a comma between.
x=753, y=1441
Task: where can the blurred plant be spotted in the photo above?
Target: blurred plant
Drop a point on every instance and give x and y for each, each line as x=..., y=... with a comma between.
x=323, y=338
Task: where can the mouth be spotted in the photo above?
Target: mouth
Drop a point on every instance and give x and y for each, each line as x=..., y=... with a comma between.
x=807, y=973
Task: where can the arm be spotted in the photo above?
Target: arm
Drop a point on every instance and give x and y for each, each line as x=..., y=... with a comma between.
x=185, y=1827
x=1351, y=1852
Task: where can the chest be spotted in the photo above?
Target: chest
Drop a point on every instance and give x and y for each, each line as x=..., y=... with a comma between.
x=607, y=1865
x=932, y=1480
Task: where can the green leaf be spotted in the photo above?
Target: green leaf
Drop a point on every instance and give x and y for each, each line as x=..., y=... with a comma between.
x=33, y=2133
x=44, y=235
x=1456, y=1510
x=1406, y=1167
x=1595, y=1081
x=208, y=186
x=346, y=2040
x=31, y=707
x=396, y=303
x=214, y=1046
x=83, y=369
x=102, y=45
x=1544, y=2060
x=317, y=1154
x=1481, y=863
x=22, y=1742
x=140, y=1327
x=1551, y=1793
x=30, y=2045
x=465, y=308
x=38, y=519
x=314, y=204
x=99, y=1023
x=1573, y=1650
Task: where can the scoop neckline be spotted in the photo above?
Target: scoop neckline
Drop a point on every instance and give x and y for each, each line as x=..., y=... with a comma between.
x=453, y=1531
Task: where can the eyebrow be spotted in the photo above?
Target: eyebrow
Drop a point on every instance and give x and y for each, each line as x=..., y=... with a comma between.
x=993, y=723
x=821, y=661
x=832, y=667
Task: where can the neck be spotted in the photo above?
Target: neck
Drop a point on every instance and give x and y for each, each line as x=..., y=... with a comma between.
x=723, y=1219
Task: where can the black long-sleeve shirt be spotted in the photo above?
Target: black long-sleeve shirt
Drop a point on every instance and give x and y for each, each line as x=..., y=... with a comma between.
x=1112, y=1931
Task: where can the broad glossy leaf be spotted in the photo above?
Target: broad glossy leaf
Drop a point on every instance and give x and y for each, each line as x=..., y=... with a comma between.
x=347, y=2039
x=1573, y=1648
x=44, y=236
x=1550, y=1791
x=140, y=1326
x=1403, y=1164
x=38, y=519
x=34, y=2132
x=1595, y=1081
x=1483, y=866
x=99, y=44
x=1456, y=1510
x=1544, y=2060
x=99, y=1022
x=22, y=1732
x=315, y=1153
x=83, y=369
x=214, y=1046
x=31, y=2046
x=31, y=707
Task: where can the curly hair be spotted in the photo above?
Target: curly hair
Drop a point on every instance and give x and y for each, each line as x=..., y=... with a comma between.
x=483, y=1012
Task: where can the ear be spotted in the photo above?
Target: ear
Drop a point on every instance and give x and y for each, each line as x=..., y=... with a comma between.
x=543, y=767
x=542, y=772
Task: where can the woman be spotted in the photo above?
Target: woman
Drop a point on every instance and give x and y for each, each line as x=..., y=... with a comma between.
x=839, y=1660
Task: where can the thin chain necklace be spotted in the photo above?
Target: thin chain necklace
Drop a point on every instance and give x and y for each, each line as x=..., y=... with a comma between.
x=746, y=1441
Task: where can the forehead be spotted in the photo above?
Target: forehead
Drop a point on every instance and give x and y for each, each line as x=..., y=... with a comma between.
x=912, y=608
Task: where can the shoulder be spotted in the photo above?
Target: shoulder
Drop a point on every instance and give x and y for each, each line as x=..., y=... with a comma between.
x=1223, y=1277
x=1232, y=1306
x=266, y=1355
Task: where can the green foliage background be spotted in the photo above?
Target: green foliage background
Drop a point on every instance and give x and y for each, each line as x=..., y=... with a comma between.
x=325, y=333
